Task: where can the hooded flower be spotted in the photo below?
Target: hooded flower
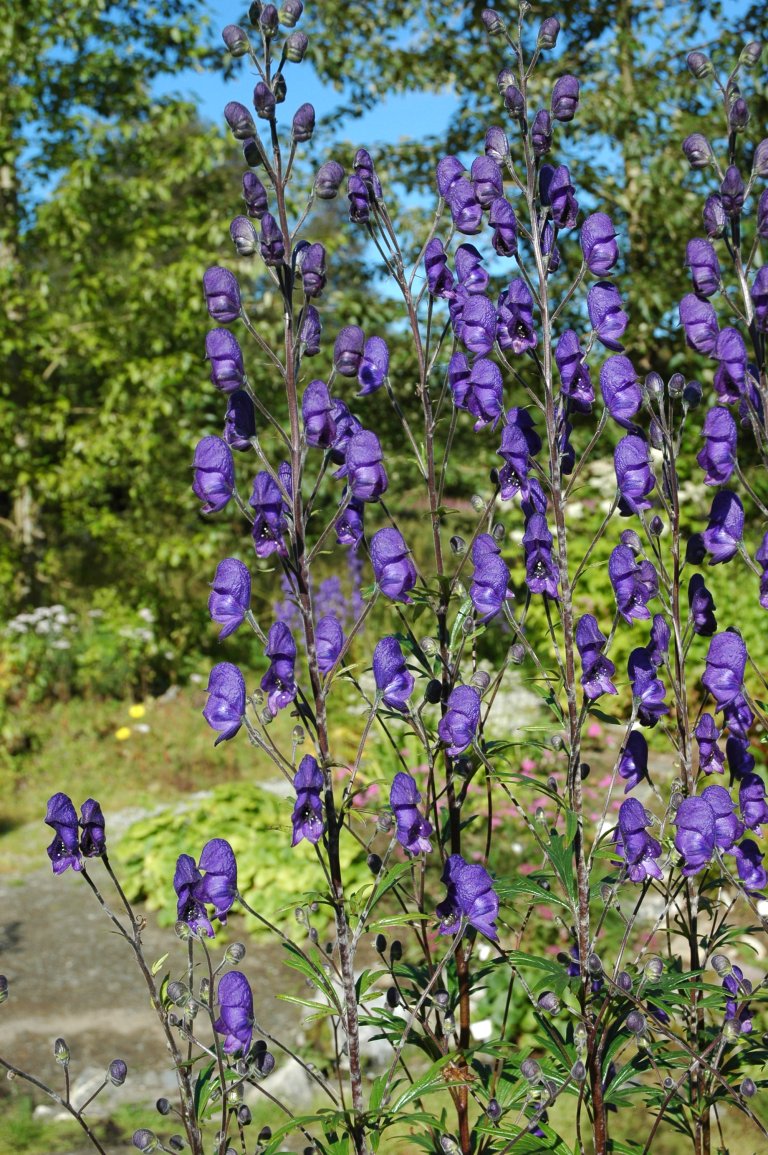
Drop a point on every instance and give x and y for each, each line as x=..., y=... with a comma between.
x=230, y=596
x=519, y=442
x=482, y=393
x=271, y=243
x=222, y=294
x=347, y=425
x=633, y=760
x=309, y=334
x=439, y=276
x=254, y=195
x=225, y=707
x=760, y=298
x=752, y=804
x=449, y=170
x=329, y=640
x=634, y=476
x=212, y=883
x=349, y=524
x=658, y=647
x=307, y=817
x=702, y=607
x=365, y=472
x=214, y=479
x=701, y=259
x=597, y=670
x=476, y=328
x=725, y=527
x=490, y=584
x=92, y=841
x=635, y=845
x=761, y=557
x=606, y=314
x=239, y=421
x=718, y=457
x=727, y=826
x=466, y=209
x=634, y=584
x=270, y=522
x=64, y=850
x=413, y=830
x=393, y=569
x=374, y=366
x=487, y=180
x=621, y=389
x=394, y=681
x=574, y=373
x=317, y=415
x=226, y=358
x=647, y=690
x=348, y=351
x=730, y=378
x=469, y=269
x=279, y=682
x=749, y=865
x=541, y=570
x=558, y=193
x=598, y=244
x=514, y=329
x=711, y=757
x=695, y=837
x=699, y=320
x=541, y=133
x=235, y=1020
x=458, y=726
x=565, y=98
x=470, y=896
x=503, y=221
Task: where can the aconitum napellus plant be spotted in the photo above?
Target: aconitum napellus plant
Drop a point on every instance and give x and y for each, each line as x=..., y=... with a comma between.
x=551, y=941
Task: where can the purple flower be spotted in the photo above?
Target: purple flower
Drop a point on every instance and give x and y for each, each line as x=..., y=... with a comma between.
x=574, y=373
x=695, y=837
x=713, y=216
x=699, y=320
x=394, y=681
x=633, y=760
x=309, y=333
x=481, y=393
x=359, y=200
x=449, y=170
x=217, y=887
x=621, y=389
x=243, y=236
x=413, y=830
x=458, y=726
x=469, y=269
x=235, y=1020
x=711, y=757
x=487, y=180
x=731, y=373
x=214, y=479
x=658, y=647
x=477, y=326
x=222, y=294
x=732, y=191
x=239, y=119
x=64, y=850
x=725, y=527
x=761, y=557
x=737, y=987
x=439, y=276
x=718, y=457
x=393, y=569
x=638, y=849
x=760, y=298
x=92, y=841
x=565, y=98
x=702, y=607
x=727, y=826
x=598, y=244
x=749, y=864
x=549, y=248
x=347, y=425
x=762, y=216
x=254, y=195
x=225, y=707
x=597, y=670
x=496, y=144
x=738, y=717
x=271, y=244
x=317, y=415
x=264, y=100
x=279, y=682
x=363, y=166
x=541, y=570
x=466, y=210
x=328, y=180
x=701, y=259
x=606, y=314
x=230, y=596
x=226, y=358
x=307, y=817
x=541, y=133
x=752, y=802
x=634, y=584
x=303, y=123
x=559, y=194
x=740, y=759
x=470, y=896
x=485, y=545
x=349, y=524
x=374, y=366
x=310, y=262
x=698, y=151
x=519, y=441
x=514, y=329
x=647, y=690
x=329, y=640
x=490, y=582
x=366, y=474
x=503, y=221
x=634, y=476
x=270, y=522
x=348, y=351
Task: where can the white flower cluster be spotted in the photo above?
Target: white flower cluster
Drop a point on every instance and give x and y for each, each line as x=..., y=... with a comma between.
x=46, y=621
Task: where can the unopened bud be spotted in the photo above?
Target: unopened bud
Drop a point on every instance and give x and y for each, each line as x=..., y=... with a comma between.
x=61, y=1052
x=163, y=1106
x=654, y=968
x=289, y=12
x=236, y=40
x=676, y=385
x=669, y=1083
x=594, y=966
x=751, y=53
x=514, y=101
x=235, y=953
x=268, y=21
x=434, y=691
x=430, y=647
x=492, y=22
x=516, y=654
x=578, y=1071
x=580, y=1037
x=458, y=545
x=244, y=1116
x=177, y=1142
x=760, y=159
x=584, y=771
x=636, y=1022
x=396, y=950
x=731, y=1030
x=549, y=1002
x=747, y=1088
x=442, y=998
x=296, y=46
x=721, y=965
x=374, y=863
x=624, y=981
x=144, y=1139
x=530, y=1070
x=549, y=31
x=656, y=526
x=738, y=115
x=699, y=65
x=384, y=822
x=477, y=503
x=178, y=993
x=698, y=151
x=117, y=1072
x=393, y=998
x=298, y=735
x=692, y=394
x=493, y=1110
x=380, y=943
x=481, y=681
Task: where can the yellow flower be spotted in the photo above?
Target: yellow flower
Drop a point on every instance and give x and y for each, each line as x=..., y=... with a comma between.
x=137, y=711
x=123, y=733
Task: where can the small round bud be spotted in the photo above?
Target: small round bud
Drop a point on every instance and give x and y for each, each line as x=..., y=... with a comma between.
x=747, y=1088
x=268, y=21
x=498, y=532
x=303, y=124
x=584, y=771
x=760, y=159
x=656, y=526
x=235, y=1095
x=751, y=53
x=540, y=816
x=607, y=893
x=449, y=1145
x=654, y=968
x=442, y=998
x=549, y=1002
x=265, y=717
x=434, y=691
x=552, y=784
x=3, y=988
x=144, y=1139
x=731, y=1030
x=61, y=1052
x=556, y=742
x=738, y=115
x=492, y=22
x=506, y=77
x=313, y=935
x=296, y=46
x=669, y=1083
x=235, y=953
x=624, y=981
x=698, y=151
x=530, y=1070
x=516, y=654
x=594, y=966
x=458, y=545
x=477, y=503
x=265, y=1134
x=699, y=65
x=257, y=697
x=393, y=997
x=117, y=1072
x=721, y=965
x=298, y=735
x=328, y=180
x=183, y=931
x=192, y=1008
x=580, y=1036
x=380, y=943
x=578, y=1071
x=396, y=950
x=236, y=40
x=299, y=915
x=676, y=385
x=692, y=394
x=430, y=647
x=384, y=822
x=514, y=102
x=163, y=1106
x=480, y=680
x=177, y=1142
x=374, y=863
x=636, y=1022
x=493, y=1110
x=244, y=1116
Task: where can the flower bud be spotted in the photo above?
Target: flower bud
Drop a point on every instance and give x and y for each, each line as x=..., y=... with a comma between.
x=480, y=680
x=541, y=133
x=177, y=1143
x=3, y=988
x=295, y=47
x=530, y=1070
x=244, y=237
x=636, y=1022
x=549, y=1002
x=178, y=993
x=234, y=954
x=654, y=968
x=393, y=997
x=516, y=654
x=251, y=153
x=298, y=735
x=458, y=545
x=236, y=40
x=578, y=1071
x=264, y=101
x=655, y=434
x=549, y=31
x=514, y=101
x=656, y=527
x=289, y=12
x=713, y=216
x=751, y=53
x=669, y=1083
x=721, y=965
x=492, y=22
x=747, y=1088
x=61, y=1052
x=374, y=863
x=239, y=119
x=496, y=144
x=163, y=1106
x=580, y=1037
x=760, y=159
x=692, y=394
x=117, y=1072
x=699, y=65
x=738, y=115
x=328, y=180
x=594, y=966
x=698, y=151
x=676, y=385
x=380, y=943
x=433, y=692
x=493, y=1110
x=144, y=1139
x=268, y=21
x=731, y=1030
x=654, y=385
x=442, y=998
x=244, y=1116
x=303, y=124
x=624, y=981
x=396, y=950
